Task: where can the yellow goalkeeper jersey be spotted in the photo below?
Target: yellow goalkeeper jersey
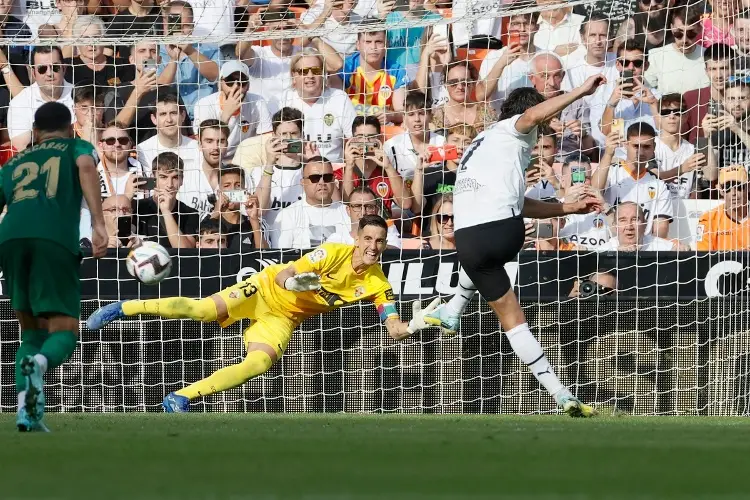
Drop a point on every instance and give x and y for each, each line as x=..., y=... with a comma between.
x=340, y=285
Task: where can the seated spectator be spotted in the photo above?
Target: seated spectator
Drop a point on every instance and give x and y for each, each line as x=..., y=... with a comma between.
x=242, y=232
x=364, y=202
x=648, y=26
x=431, y=182
x=405, y=44
x=541, y=181
x=405, y=150
x=246, y=114
x=194, y=68
x=719, y=60
x=168, y=116
x=114, y=208
x=312, y=220
x=210, y=235
x=728, y=132
x=677, y=160
x=371, y=79
x=333, y=14
x=717, y=26
x=365, y=162
x=586, y=231
x=460, y=80
x=631, y=180
x=507, y=69
x=727, y=226
x=559, y=29
x=132, y=103
x=141, y=17
x=119, y=173
x=49, y=85
x=679, y=67
x=632, y=232
x=629, y=100
x=162, y=217
x=92, y=66
x=598, y=284
x=328, y=112
x=441, y=226
x=278, y=181
x=88, y=109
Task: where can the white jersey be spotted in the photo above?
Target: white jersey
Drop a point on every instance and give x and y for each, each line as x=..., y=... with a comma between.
x=252, y=119
x=514, y=76
x=649, y=243
x=327, y=122
x=402, y=155
x=682, y=186
x=646, y=190
x=587, y=230
x=111, y=186
x=542, y=190
x=270, y=75
x=213, y=17
x=392, y=238
x=490, y=182
x=192, y=159
x=286, y=188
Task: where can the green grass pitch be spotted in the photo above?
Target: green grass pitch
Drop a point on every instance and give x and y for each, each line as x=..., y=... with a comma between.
x=313, y=456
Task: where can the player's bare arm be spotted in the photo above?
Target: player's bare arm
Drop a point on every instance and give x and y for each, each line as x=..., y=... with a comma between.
x=550, y=108
x=535, y=209
x=89, y=179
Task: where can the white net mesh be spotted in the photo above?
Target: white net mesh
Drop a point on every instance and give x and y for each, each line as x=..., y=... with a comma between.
x=669, y=340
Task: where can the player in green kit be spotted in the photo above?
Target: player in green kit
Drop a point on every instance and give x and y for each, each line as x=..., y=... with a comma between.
x=42, y=188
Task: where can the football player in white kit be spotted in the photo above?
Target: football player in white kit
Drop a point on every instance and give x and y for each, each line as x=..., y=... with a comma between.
x=489, y=208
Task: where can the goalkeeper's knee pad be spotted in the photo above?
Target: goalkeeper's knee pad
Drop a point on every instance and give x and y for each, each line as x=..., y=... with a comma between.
x=256, y=363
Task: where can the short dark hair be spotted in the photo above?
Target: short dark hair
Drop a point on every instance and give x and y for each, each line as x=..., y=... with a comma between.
x=416, y=99
x=360, y=120
x=545, y=130
x=210, y=226
x=231, y=168
x=673, y=98
x=287, y=114
x=168, y=97
x=595, y=17
x=363, y=189
x=369, y=22
x=373, y=220
x=213, y=124
x=688, y=14
x=183, y=4
x=719, y=52
x=531, y=17
x=638, y=129
x=736, y=84
x=318, y=159
x=88, y=93
x=46, y=49
x=631, y=44
x=52, y=117
x=168, y=161
x=463, y=63
x=519, y=100
x=576, y=157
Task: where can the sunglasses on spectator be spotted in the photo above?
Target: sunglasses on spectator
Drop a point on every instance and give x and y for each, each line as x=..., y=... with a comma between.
x=728, y=186
x=315, y=178
x=453, y=83
x=671, y=111
x=652, y=2
x=42, y=68
x=637, y=63
x=369, y=208
x=690, y=34
x=231, y=80
x=110, y=141
x=444, y=218
x=315, y=70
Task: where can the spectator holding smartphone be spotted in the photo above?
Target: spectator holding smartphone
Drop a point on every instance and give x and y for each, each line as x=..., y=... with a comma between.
x=118, y=213
x=405, y=44
x=119, y=173
x=729, y=129
x=541, y=181
x=243, y=232
x=544, y=235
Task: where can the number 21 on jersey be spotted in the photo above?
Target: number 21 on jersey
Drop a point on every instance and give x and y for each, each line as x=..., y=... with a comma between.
x=26, y=173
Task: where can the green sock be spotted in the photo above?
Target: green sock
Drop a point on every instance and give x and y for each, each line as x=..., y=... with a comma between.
x=31, y=343
x=58, y=347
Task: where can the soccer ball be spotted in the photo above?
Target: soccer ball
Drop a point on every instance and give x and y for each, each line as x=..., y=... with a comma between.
x=149, y=263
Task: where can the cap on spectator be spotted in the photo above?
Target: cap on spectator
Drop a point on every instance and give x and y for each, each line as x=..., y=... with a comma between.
x=52, y=116
x=733, y=173
x=234, y=66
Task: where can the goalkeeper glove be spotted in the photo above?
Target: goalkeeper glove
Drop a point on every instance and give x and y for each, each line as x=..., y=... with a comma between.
x=304, y=282
x=417, y=322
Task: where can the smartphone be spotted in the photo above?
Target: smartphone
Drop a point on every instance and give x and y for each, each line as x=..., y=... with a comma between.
x=124, y=228
x=236, y=196
x=618, y=125
x=293, y=145
x=150, y=183
x=401, y=6
x=441, y=30
x=533, y=162
x=149, y=65
x=578, y=175
x=701, y=145
x=443, y=153
x=627, y=75
x=542, y=230
x=174, y=24
x=514, y=38
x=714, y=109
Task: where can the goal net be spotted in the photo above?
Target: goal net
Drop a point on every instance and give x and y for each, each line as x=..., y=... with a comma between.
x=655, y=327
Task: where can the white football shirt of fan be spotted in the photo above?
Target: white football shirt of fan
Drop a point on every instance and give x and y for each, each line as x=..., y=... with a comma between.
x=392, y=238
x=542, y=190
x=402, y=155
x=327, y=122
x=667, y=159
x=649, y=243
x=490, y=182
x=646, y=190
x=578, y=71
x=568, y=31
x=117, y=185
x=286, y=188
x=192, y=159
x=270, y=75
x=24, y=105
x=514, y=76
x=342, y=42
x=213, y=17
x=301, y=225
x=253, y=118
x=196, y=189
x=587, y=230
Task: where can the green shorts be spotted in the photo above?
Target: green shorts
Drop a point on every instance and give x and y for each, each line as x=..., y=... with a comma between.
x=42, y=277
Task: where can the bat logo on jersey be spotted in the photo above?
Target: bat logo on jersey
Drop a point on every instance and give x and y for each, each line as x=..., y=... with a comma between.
x=385, y=92
x=382, y=189
x=328, y=119
x=234, y=294
x=245, y=126
x=652, y=192
x=598, y=222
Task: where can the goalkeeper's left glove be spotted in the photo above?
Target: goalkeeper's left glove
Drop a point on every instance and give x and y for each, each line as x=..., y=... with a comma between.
x=304, y=282
x=417, y=322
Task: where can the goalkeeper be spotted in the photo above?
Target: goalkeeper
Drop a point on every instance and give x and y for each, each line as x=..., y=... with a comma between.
x=278, y=299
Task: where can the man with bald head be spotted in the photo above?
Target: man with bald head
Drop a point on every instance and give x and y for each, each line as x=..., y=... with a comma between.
x=630, y=227
x=115, y=207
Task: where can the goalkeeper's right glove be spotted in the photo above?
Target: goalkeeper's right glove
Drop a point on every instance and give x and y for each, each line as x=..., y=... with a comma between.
x=304, y=282
x=417, y=322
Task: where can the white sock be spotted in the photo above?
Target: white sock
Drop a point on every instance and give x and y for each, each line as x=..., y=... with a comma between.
x=466, y=290
x=528, y=349
x=42, y=361
x=21, y=400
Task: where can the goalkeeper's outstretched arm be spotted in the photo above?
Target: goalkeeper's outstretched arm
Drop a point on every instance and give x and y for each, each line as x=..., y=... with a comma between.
x=399, y=330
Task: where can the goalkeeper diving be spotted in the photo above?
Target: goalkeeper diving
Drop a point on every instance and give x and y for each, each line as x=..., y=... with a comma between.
x=278, y=299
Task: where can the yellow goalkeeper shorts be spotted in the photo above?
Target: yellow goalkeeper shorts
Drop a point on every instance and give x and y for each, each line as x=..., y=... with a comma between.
x=269, y=327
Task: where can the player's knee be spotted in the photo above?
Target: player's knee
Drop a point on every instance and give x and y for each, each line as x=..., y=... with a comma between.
x=256, y=363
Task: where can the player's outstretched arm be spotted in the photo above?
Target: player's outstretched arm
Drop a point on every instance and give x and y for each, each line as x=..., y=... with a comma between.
x=536, y=209
x=399, y=330
x=89, y=179
x=550, y=108
x=291, y=280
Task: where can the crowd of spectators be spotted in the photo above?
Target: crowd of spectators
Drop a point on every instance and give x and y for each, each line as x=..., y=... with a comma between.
x=287, y=142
